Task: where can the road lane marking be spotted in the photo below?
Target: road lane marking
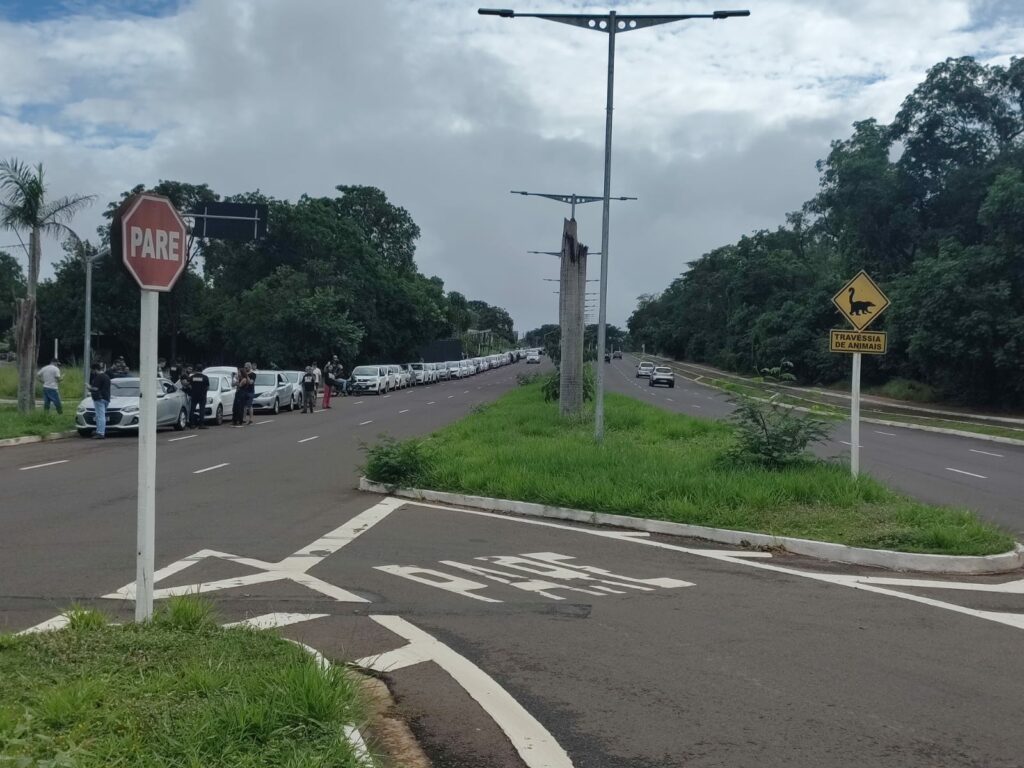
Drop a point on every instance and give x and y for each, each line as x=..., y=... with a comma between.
x=697, y=406
x=266, y=421
x=887, y=434
x=852, y=581
x=358, y=402
x=450, y=396
x=275, y=620
x=962, y=472
x=307, y=439
x=432, y=402
x=386, y=396
x=535, y=745
x=465, y=391
x=670, y=399
x=405, y=411
x=986, y=453
x=292, y=568
x=844, y=442
x=210, y=469
x=364, y=423
x=47, y=464
x=186, y=437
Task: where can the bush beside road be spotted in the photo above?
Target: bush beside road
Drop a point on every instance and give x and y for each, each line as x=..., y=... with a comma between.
x=669, y=467
x=14, y=424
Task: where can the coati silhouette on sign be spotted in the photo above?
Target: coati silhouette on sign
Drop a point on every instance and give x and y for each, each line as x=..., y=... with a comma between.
x=860, y=307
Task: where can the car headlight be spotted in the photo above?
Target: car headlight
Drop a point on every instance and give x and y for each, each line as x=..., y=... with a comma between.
x=209, y=401
x=130, y=409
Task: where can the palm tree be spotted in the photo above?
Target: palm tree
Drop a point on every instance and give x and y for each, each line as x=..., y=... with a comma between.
x=23, y=206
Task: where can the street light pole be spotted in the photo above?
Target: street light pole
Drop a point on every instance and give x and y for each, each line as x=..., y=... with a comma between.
x=611, y=24
x=87, y=343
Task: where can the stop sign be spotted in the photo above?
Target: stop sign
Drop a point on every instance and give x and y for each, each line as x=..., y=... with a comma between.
x=154, y=242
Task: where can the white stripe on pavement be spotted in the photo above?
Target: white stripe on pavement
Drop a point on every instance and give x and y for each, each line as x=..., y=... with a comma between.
x=307, y=439
x=432, y=402
x=962, y=472
x=186, y=437
x=267, y=421
x=210, y=469
x=364, y=423
x=887, y=434
x=986, y=453
x=405, y=411
x=47, y=464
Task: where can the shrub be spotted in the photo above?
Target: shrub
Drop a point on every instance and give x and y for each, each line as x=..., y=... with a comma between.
x=396, y=463
x=525, y=379
x=551, y=387
x=772, y=436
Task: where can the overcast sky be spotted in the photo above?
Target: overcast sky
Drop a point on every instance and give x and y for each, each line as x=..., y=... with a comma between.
x=717, y=124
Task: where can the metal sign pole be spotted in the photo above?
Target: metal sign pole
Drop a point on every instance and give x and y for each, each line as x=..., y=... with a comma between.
x=855, y=417
x=146, y=535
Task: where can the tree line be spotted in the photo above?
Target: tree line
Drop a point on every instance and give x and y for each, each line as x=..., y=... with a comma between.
x=930, y=205
x=334, y=274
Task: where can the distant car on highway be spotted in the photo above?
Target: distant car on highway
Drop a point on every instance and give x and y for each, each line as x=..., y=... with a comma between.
x=645, y=368
x=370, y=378
x=123, y=410
x=532, y=357
x=617, y=354
x=662, y=375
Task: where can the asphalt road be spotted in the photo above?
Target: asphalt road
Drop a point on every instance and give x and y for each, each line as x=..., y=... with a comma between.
x=511, y=642
x=978, y=474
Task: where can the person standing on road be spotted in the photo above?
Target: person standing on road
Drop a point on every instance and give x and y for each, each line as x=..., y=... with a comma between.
x=308, y=382
x=238, y=404
x=185, y=385
x=200, y=386
x=329, y=382
x=119, y=369
x=51, y=375
x=99, y=388
x=250, y=391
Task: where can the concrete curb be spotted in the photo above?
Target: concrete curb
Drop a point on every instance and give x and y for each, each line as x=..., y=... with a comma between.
x=839, y=553
x=27, y=439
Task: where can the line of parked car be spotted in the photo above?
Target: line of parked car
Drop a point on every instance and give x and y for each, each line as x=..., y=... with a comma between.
x=382, y=379
x=274, y=391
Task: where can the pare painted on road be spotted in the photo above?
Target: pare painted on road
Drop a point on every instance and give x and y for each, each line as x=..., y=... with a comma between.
x=547, y=574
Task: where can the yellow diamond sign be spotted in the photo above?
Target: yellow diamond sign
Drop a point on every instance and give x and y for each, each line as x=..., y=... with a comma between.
x=860, y=301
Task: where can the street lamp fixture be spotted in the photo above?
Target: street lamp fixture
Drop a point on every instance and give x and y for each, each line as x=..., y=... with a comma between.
x=610, y=24
x=572, y=199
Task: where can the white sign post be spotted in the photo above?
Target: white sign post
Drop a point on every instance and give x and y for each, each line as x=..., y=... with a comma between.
x=855, y=417
x=153, y=241
x=146, y=534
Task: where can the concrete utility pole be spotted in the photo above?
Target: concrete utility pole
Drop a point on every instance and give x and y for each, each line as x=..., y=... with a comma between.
x=611, y=24
x=571, y=300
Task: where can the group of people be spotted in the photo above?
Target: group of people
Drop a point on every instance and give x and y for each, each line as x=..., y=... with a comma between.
x=331, y=380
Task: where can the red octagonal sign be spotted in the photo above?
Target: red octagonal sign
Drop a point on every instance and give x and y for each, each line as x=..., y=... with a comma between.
x=154, y=242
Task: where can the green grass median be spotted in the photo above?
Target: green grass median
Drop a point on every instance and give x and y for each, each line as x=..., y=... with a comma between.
x=179, y=691
x=665, y=466
x=38, y=422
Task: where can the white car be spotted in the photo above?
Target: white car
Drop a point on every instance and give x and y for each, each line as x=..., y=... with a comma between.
x=395, y=378
x=370, y=378
x=532, y=357
x=415, y=373
x=123, y=409
x=456, y=370
x=662, y=375
x=220, y=397
x=645, y=369
x=295, y=379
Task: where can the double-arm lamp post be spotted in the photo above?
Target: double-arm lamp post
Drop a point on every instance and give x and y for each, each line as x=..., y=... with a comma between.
x=611, y=24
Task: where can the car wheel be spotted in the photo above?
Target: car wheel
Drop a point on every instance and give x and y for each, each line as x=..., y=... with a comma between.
x=85, y=432
x=182, y=421
x=219, y=418
x=277, y=406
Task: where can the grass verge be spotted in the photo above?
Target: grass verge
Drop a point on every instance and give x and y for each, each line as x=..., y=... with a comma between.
x=71, y=386
x=672, y=467
x=38, y=422
x=179, y=691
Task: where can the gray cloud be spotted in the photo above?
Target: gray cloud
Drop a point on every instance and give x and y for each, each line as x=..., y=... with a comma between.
x=717, y=126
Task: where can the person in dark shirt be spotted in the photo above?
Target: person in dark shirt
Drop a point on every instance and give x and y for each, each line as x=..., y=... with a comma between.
x=99, y=388
x=241, y=390
x=200, y=386
x=308, y=381
x=119, y=369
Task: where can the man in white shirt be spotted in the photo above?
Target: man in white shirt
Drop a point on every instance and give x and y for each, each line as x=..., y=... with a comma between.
x=50, y=375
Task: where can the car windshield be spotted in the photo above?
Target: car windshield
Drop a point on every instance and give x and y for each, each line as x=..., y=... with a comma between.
x=454, y=365
x=365, y=370
x=124, y=388
x=214, y=383
x=646, y=365
x=417, y=366
x=266, y=379
x=292, y=376
x=662, y=370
